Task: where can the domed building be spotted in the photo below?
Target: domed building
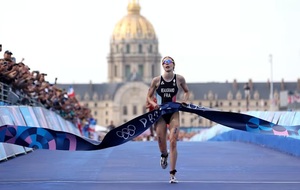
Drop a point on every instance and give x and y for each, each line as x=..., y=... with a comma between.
x=133, y=61
x=134, y=54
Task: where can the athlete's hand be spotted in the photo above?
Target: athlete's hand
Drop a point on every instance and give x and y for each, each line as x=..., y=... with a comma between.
x=155, y=106
x=148, y=105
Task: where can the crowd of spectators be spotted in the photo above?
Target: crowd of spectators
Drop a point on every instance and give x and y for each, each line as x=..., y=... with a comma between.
x=32, y=85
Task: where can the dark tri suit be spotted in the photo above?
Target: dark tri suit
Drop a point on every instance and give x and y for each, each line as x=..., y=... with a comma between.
x=166, y=92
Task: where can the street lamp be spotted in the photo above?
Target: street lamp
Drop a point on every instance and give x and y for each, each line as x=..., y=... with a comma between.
x=247, y=95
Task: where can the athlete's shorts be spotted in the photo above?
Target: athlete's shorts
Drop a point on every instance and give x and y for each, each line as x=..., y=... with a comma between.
x=167, y=117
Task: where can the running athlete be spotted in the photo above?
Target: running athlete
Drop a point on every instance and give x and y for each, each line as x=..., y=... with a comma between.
x=166, y=87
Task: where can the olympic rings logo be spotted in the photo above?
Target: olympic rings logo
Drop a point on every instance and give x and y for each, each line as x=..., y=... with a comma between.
x=127, y=132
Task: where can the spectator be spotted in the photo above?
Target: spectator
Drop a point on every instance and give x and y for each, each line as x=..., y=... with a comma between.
x=8, y=68
x=32, y=87
x=85, y=129
x=8, y=56
x=111, y=126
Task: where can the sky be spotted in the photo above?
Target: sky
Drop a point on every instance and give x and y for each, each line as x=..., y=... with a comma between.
x=210, y=40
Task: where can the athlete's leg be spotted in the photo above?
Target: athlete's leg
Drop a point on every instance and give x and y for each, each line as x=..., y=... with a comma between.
x=174, y=132
x=161, y=133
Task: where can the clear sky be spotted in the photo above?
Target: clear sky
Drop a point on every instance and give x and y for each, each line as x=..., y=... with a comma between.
x=210, y=40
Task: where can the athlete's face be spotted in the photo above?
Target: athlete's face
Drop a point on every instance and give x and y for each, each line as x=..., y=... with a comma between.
x=168, y=65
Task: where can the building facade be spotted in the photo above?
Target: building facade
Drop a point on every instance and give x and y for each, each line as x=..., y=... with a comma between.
x=133, y=61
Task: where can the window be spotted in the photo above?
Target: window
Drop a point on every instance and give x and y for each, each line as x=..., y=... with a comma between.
x=153, y=71
x=199, y=120
x=134, y=110
x=116, y=70
x=127, y=48
x=150, y=49
x=141, y=70
x=140, y=48
x=95, y=112
x=117, y=48
x=95, y=104
x=127, y=71
x=124, y=110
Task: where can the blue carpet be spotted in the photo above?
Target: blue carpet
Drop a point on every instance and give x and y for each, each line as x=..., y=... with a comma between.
x=280, y=143
x=135, y=165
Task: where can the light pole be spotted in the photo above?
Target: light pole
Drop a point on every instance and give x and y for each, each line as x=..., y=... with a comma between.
x=271, y=82
x=247, y=95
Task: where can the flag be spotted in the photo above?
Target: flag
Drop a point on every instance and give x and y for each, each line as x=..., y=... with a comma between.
x=293, y=98
x=71, y=92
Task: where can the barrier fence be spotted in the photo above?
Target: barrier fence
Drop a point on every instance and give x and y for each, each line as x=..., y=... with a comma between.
x=12, y=112
x=16, y=108
x=30, y=116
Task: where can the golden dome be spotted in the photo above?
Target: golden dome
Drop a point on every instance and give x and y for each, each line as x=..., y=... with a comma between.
x=133, y=25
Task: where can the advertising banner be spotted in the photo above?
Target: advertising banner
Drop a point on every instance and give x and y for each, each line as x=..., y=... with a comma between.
x=16, y=115
x=6, y=117
x=40, y=117
x=29, y=116
x=52, y=120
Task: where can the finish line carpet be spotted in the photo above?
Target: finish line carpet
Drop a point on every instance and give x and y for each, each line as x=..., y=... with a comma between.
x=135, y=165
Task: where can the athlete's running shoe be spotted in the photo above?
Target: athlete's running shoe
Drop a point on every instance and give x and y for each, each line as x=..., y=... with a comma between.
x=164, y=161
x=173, y=180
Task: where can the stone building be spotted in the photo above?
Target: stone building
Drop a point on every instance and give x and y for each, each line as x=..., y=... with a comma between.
x=133, y=61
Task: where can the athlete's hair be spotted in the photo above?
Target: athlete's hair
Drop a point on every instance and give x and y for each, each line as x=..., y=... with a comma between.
x=168, y=57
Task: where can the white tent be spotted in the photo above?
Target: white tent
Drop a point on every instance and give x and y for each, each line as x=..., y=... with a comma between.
x=101, y=128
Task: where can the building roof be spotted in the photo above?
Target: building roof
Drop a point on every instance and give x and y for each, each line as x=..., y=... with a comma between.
x=199, y=90
x=133, y=25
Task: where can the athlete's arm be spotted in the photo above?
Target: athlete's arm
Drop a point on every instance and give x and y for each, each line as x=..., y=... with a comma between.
x=151, y=91
x=185, y=88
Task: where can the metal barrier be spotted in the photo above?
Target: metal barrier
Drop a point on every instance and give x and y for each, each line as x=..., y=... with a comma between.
x=16, y=108
x=9, y=96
